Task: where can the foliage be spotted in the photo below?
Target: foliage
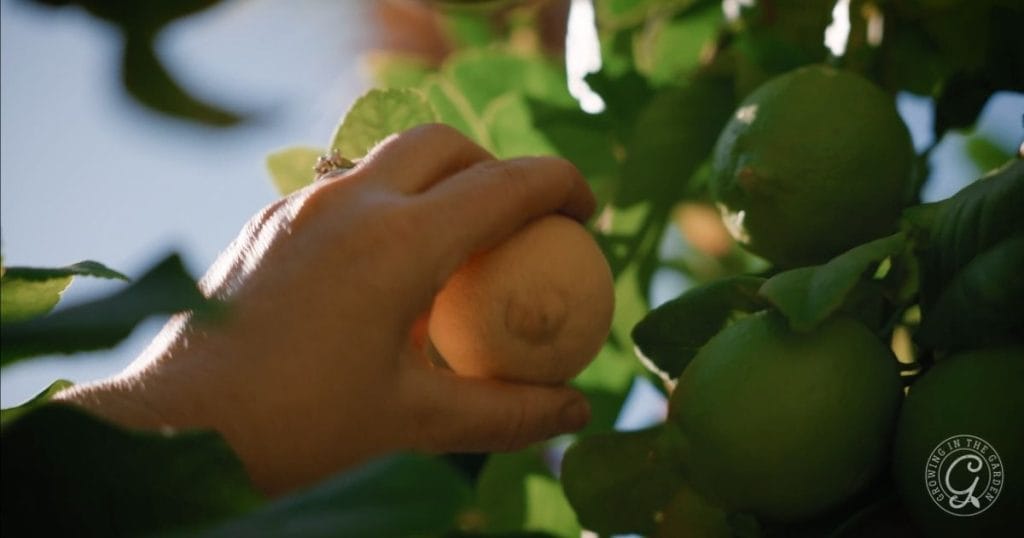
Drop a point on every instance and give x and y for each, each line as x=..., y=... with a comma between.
x=673, y=72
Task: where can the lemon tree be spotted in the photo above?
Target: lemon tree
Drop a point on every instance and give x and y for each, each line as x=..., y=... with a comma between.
x=814, y=162
x=778, y=374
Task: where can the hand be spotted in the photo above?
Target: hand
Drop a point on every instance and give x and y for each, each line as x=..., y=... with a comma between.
x=321, y=363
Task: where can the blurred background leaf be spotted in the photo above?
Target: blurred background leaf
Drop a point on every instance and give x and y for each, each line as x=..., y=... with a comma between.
x=164, y=289
x=142, y=72
x=28, y=292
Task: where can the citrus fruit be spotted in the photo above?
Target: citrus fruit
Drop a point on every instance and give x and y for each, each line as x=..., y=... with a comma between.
x=959, y=451
x=813, y=162
x=785, y=425
x=535, y=309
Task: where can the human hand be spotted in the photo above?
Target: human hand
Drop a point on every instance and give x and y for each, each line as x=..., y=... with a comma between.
x=321, y=363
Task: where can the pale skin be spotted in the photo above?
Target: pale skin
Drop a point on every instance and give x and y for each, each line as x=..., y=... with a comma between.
x=321, y=364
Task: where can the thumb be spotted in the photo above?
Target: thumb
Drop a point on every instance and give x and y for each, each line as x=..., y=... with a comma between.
x=456, y=414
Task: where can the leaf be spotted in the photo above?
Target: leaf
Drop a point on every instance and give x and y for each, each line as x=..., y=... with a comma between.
x=403, y=495
x=9, y=415
x=690, y=514
x=25, y=299
x=395, y=70
x=516, y=492
x=584, y=139
x=484, y=75
x=83, y=268
x=672, y=47
x=672, y=137
x=377, y=115
x=147, y=80
x=292, y=168
x=984, y=153
x=510, y=125
x=980, y=306
x=621, y=13
x=164, y=289
x=953, y=232
x=807, y=296
x=672, y=334
x=72, y=474
x=28, y=292
x=454, y=110
x=619, y=482
x=606, y=382
x=142, y=73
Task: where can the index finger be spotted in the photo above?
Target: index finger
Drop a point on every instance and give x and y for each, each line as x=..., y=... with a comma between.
x=480, y=206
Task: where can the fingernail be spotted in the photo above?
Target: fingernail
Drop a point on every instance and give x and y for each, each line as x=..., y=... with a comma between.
x=575, y=415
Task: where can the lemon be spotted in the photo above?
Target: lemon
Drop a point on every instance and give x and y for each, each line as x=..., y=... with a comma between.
x=959, y=452
x=814, y=162
x=786, y=425
x=535, y=309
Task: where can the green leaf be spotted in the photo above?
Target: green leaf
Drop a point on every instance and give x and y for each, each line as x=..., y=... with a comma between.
x=484, y=75
x=672, y=137
x=83, y=268
x=9, y=415
x=454, y=110
x=403, y=495
x=517, y=492
x=25, y=299
x=69, y=473
x=808, y=295
x=623, y=13
x=510, y=125
x=606, y=382
x=985, y=154
x=292, y=168
x=164, y=289
x=671, y=335
x=690, y=514
x=377, y=115
x=981, y=305
x=394, y=70
x=672, y=47
x=584, y=139
x=953, y=232
x=148, y=81
x=29, y=292
x=619, y=482
x=142, y=72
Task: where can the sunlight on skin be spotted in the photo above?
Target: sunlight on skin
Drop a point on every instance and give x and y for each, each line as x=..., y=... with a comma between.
x=583, y=55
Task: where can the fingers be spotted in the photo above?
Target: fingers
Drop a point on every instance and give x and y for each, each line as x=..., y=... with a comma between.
x=418, y=158
x=456, y=414
x=478, y=207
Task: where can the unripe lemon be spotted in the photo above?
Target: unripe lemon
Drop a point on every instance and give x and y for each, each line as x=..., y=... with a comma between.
x=959, y=452
x=814, y=162
x=786, y=425
x=535, y=309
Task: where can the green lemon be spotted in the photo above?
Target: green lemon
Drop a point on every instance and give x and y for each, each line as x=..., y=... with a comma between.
x=786, y=425
x=814, y=162
x=959, y=452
